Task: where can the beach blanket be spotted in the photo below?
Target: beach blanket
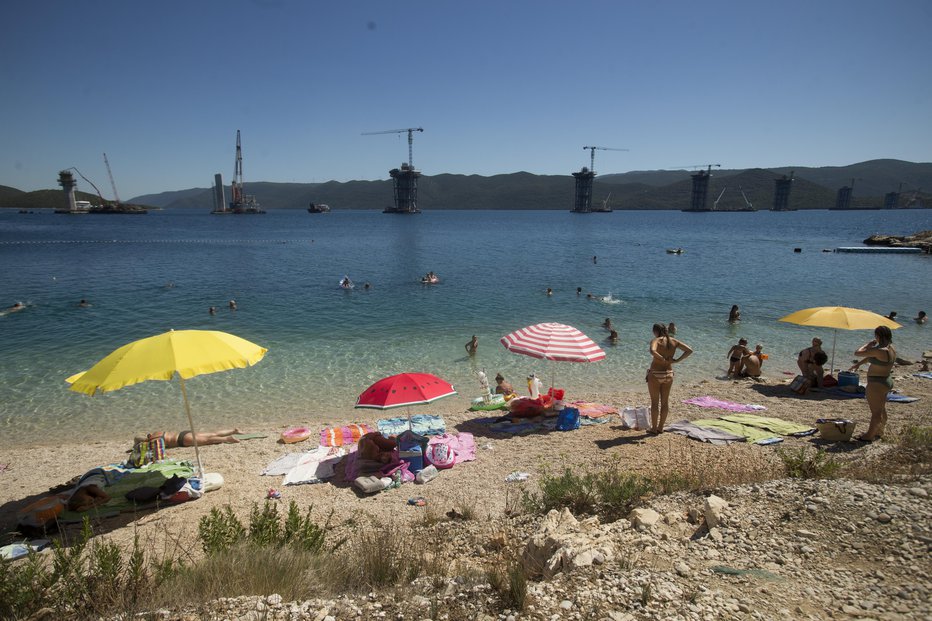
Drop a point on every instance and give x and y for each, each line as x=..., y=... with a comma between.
x=712, y=402
x=338, y=436
x=249, y=436
x=588, y=420
x=751, y=434
x=703, y=434
x=121, y=480
x=314, y=466
x=923, y=374
x=463, y=445
x=282, y=465
x=776, y=425
x=423, y=424
x=593, y=410
x=892, y=396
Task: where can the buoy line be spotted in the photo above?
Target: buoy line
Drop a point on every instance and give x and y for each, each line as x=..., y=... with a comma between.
x=155, y=241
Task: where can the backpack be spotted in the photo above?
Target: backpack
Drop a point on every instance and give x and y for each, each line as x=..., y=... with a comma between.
x=441, y=455
x=568, y=419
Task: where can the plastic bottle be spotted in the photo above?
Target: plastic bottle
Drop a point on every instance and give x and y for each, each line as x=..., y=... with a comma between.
x=426, y=474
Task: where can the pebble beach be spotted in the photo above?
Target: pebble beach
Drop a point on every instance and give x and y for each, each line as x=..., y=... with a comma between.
x=845, y=548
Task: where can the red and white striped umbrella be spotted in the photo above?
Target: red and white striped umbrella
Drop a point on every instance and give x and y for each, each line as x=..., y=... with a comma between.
x=553, y=341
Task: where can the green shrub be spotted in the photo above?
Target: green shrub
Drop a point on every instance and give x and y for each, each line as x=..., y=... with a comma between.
x=608, y=492
x=220, y=530
x=804, y=464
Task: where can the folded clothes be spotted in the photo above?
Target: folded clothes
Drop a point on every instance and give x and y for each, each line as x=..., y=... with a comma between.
x=712, y=402
x=423, y=424
x=338, y=436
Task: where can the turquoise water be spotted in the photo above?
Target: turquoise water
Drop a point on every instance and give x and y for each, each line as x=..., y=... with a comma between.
x=147, y=274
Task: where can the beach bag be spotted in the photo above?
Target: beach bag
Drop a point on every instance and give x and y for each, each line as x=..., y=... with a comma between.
x=42, y=514
x=635, y=418
x=568, y=419
x=800, y=385
x=147, y=452
x=440, y=455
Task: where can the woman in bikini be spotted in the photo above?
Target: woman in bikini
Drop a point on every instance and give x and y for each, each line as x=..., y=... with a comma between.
x=185, y=438
x=881, y=356
x=660, y=374
x=806, y=357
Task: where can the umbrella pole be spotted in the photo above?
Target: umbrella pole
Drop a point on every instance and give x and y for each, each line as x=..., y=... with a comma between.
x=187, y=408
x=834, y=336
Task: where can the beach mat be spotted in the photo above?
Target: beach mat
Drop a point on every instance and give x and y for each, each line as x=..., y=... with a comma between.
x=249, y=436
x=720, y=404
x=422, y=424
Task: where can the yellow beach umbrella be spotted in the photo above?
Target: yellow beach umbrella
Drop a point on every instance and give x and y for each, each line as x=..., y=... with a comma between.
x=187, y=353
x=839, y=318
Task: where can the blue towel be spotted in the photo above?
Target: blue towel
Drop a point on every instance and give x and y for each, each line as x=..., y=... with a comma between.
x=424, y=424
x=923, y=374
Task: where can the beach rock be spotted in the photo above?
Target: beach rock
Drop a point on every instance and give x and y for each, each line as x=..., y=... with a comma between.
x=644, y=517
x=714, y=510
x=563, y=543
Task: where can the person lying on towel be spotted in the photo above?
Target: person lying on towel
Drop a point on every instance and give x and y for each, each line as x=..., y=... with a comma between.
x=186, y=438
x=374, y=446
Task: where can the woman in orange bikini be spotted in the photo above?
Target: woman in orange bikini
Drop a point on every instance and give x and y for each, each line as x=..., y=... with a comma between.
x=881, y=356
x=660, y=374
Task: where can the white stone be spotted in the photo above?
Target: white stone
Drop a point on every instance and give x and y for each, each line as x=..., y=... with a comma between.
x=714, y=510
x=644, y=517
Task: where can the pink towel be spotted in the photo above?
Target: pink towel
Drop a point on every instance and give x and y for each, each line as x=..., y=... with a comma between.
x=463, y=445
x=593, y=410
x=731, y=406
x=338, y=436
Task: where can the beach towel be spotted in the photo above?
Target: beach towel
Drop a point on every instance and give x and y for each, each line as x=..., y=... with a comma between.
x=122, y=480
x=282, y=465
x=249, y=436
x=423, y=424
x=338, y=436
x=703, y=434
x=463, y=445
x=923, y=374
x=776, y=425
x=314, y=466
x=587, y=409
x=588, y=420
x=751, y=434
x=18, y=550
x=712, y=402
x=892, y=396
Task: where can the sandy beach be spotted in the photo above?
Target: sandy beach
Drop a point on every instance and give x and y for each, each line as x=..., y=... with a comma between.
x=479, y=485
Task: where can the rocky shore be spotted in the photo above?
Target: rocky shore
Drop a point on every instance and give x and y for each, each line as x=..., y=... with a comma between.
x=922, y=239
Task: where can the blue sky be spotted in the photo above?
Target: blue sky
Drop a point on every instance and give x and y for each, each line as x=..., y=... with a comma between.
x=498, y=87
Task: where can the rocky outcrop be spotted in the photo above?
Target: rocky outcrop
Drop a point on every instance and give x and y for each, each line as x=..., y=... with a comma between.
x=922, y=239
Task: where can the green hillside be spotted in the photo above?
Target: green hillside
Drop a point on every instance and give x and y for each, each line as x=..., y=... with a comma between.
x=813, y=188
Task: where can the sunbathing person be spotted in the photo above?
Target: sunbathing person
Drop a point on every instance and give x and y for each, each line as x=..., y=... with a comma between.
x=373, y=446
x=503, y=387
x=186, y=438
x=88, y=493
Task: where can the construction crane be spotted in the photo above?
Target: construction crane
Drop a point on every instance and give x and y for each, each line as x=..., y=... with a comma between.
x=746, y=201
x=96, y=189
x=715, y=204
x=693, y=166
x=410, y=131
x=592, y=151
x=112, y=183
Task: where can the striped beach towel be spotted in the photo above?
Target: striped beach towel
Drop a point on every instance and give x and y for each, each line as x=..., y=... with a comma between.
x=338, y=436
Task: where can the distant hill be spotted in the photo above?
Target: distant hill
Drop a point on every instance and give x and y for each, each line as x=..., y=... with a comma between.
x=813, y=188
x=872, y=178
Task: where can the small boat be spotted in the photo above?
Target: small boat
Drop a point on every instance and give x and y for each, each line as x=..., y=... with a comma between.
x=79, y=207
x=675, y=251
x=318, y=208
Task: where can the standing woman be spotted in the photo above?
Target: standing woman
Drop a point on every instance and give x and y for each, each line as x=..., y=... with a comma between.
x=881, y=356
x=660, y=374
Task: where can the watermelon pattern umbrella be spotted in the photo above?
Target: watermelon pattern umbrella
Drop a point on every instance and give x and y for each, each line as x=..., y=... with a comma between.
x=405, y=390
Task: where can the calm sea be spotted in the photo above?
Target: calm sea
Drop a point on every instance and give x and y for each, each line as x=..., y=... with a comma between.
x=144, y=275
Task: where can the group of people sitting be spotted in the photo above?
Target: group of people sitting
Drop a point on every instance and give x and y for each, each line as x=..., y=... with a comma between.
x=742, y=362
x=811, y=362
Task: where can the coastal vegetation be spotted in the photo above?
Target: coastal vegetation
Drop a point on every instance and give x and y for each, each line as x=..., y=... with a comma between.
x=298, y=556
x=813, y=188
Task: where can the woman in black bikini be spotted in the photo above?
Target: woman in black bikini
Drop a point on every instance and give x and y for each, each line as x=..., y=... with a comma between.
x=660, y=374
x=881, y=356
